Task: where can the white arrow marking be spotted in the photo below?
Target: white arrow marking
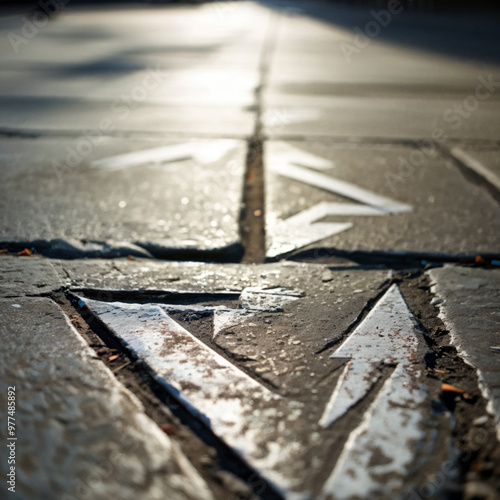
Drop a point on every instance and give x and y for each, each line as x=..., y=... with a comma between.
x=292, y=155
x=302, y=229
x=253, y=300
x=476, y=166
x=378, y=456
x=379, y=453
x=203, y=152
x=336, y=186
x=241, y=411
x=388, y=333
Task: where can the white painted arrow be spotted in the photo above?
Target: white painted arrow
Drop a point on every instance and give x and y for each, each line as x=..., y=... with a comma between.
x=389, y=334
x=238, y=409
x=378, y=455
x=202, y=151
x=253, y=300
x=291, y=155
x=302, y=229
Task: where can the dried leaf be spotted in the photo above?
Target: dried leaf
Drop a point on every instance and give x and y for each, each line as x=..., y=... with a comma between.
x=451, y=388
x=26, y=252
x=129, y=257
x=3, y=250
x=114, y=357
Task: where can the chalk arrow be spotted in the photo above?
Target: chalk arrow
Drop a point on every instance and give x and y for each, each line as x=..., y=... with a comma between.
x=389, y=334
x=203, y=152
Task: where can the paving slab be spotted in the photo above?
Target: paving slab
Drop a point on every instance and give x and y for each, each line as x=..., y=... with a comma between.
x=352, y=197
x=147, y=70
x=179, y=88
x=468, y=300
x=39, y=115
x=77, y=431
x=258, y=353
x=20, y=276
x=351, y=117
x=122, y=196
x=332, y=76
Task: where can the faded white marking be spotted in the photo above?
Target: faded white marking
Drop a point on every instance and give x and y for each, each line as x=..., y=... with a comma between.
x=301, y=229
x=290, y=154
x=476, y=166
x=336, y=186
x=204, y=152
x=268, y=299
x=253, y=300
x=244, y=413
x=224, y=319
x=388, y=334
x=378, y=455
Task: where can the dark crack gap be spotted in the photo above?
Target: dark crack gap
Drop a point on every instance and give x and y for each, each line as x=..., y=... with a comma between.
x=479, y=449
x=253, y=216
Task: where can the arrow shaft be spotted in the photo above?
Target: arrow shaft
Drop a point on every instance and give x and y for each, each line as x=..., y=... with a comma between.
x=336, y=186
x=202, y=151
x=326, y=208
x=177, y=152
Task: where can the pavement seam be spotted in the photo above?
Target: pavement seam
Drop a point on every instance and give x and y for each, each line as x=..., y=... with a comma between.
x=388, y=258
x=253, y=215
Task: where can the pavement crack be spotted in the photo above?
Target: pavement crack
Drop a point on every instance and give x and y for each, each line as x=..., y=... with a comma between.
x=391, y=259
x=252, y=217
x=478, y=445
x=155, y=296
x=359, y=318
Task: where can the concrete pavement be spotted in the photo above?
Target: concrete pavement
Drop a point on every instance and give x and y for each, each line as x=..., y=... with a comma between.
x=262, y=248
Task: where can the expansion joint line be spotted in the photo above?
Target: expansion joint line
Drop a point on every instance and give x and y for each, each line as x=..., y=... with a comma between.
x=252, y=218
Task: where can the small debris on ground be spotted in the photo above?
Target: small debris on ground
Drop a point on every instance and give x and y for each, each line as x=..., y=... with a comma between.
x=451, y=388
x=25, y=252
x=480, y=420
